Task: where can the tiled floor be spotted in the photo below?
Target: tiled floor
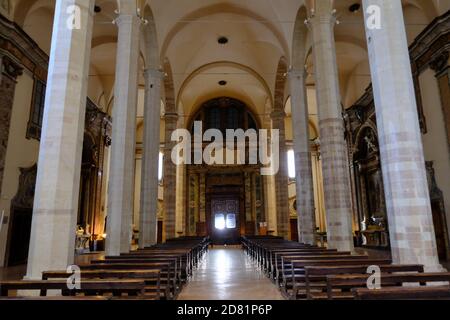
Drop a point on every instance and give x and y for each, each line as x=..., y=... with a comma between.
x=227, y=273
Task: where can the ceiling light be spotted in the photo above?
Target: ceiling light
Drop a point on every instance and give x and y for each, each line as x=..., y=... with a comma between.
x=354, y=7
x=222, y=83
x=222, y=40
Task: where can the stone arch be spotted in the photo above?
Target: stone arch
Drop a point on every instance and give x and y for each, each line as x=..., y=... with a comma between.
x=150, y=39
x=24, y=7
x=239, y=66
x=280, y=85
x=299, y=40
x=169, y=89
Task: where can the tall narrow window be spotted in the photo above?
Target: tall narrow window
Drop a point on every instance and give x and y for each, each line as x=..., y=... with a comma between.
x=37, y=110
x=291, y=163
x=160, y=166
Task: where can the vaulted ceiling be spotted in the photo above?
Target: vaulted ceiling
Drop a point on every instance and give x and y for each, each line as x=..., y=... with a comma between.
x=259, y=33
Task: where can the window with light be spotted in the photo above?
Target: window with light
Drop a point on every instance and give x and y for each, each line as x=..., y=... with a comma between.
x=160, y=166
x=291, y=164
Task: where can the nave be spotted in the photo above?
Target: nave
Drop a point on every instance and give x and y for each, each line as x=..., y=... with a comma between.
x=261, y=268
x=227, y=273
x=94, y=177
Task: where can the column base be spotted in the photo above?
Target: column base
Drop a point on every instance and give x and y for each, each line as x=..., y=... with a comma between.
x=434, y=268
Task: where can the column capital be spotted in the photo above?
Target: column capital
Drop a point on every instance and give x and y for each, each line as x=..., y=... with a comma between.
x=10, y=68
x=171, y=115
x=297, y=74
x=127, y=19
x=277, y=114
x=154, y=73
x=440, y=62
x=322, y=15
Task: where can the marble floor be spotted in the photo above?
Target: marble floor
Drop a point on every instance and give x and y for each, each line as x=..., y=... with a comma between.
x=227, y=273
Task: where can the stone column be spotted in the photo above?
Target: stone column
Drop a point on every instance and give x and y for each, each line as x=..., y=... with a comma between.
x=333, y=145
x=148, y=222
x=303, y=169
x=52, y=241
x=121, y=176
x=203, y=198
x=170, y=169
x=281, y=178
x=405, y=182
x=442, y=69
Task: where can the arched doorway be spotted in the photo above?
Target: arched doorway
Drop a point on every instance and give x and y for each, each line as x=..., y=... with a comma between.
x=224, y=201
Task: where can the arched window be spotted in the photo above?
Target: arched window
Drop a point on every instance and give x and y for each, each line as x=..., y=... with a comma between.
x=160, y=166
x=225, y=113
x=291, y=163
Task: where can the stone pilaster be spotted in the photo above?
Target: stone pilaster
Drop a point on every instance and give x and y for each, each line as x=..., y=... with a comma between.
x=281, y=178
x=442, y=69
x=9, y=73
x=407, y=197
x=333, y=145
x=303, y=168
x=148, y=222
x=55, y=209
x=202, y=197
x=121, y=177
x=170, y=170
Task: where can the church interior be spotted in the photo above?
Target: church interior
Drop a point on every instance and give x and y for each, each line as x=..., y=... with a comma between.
x=352, y=96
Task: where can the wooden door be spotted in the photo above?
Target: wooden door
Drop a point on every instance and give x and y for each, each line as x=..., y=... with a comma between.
x=20, y=236
x=439, y=229
x=225, y=221
x=294, y=230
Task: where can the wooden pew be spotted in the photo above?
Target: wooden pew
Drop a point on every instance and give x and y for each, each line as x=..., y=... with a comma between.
x=339, y=286
x=152, y=278
x=403, y=293
x=298, y=270
x=281, y=260
x=74, y=298
x=286, y=275
x=181, y=264
x=169, y=285
x=87, y=287
x=273, y=259
x=315, y=278
x=141, y=274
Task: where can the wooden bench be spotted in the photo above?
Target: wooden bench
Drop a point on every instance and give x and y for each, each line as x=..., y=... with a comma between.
x=288, y=269
x=315, y=278
x=87, y=287
x=403, y=293
x=74, y=298
x=274, y=257
x=340, y=286
x=298, y=270
x=152, y=278
x=178, y=265
x=169, y=284
x=282, y=260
